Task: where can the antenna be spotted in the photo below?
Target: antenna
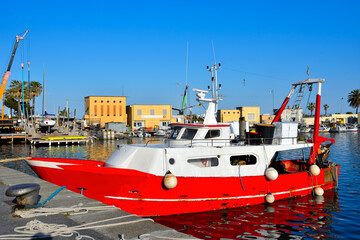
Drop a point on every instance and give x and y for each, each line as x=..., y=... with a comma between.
x=212, y=43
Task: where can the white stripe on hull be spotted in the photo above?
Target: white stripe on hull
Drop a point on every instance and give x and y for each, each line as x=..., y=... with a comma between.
x=208, y=199
x=55, y=165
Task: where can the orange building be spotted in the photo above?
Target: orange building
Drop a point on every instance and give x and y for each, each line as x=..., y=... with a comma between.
x=103, y=109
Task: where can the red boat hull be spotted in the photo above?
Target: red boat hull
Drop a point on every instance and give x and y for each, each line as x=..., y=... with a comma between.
x=144, y=194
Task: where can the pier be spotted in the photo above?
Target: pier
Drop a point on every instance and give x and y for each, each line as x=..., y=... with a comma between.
x=100, y=222
x=12, y=136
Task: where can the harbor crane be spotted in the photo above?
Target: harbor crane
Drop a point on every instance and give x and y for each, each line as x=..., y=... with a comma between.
x=7, y=73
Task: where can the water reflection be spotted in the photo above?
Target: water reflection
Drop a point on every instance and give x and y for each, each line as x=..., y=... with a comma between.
x=286, y=219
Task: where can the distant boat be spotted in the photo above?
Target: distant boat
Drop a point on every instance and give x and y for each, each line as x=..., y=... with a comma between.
x=338, y=128
x=352, y=128
x=47, y=121
x=324, y=128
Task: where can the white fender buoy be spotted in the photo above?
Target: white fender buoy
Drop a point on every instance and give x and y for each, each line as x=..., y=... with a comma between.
x=269, y=198
x=170, y=181
x=319, y=191
x=271, y=173
x=314, y=170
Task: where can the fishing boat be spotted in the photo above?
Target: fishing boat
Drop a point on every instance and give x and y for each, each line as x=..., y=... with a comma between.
x=201, y=168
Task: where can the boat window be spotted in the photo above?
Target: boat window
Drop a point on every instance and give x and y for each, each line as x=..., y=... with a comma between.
x=189, y=133
x=204, y=162
x=213, y=133
x=175, y=132
x=242, y=160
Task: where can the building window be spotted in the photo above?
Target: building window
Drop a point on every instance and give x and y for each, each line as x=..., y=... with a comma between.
x=114, y=110
x=164, y=112
x=119, y=101
x=120, y=110
x=152, y=112
x=204, y=162
x=213, y=133
x=102, y=101
x=243, y=160
x=139, y=112
x=108, y=110
x=251, y=116
x=114, y=101
x=95, y=101
x=102, y=110
x=95, y=110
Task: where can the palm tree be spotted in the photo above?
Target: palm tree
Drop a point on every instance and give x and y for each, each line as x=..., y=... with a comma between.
x=15, y=90
x=354, y=99
x=35, y=91
x=311, y=107
x=326, y=107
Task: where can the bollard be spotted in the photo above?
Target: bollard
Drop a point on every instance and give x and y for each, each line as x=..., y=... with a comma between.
x=26, y=194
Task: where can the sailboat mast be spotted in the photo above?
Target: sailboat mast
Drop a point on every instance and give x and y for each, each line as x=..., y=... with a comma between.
x=44, y=97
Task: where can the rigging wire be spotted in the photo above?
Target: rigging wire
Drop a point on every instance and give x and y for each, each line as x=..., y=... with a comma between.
x=253, y=73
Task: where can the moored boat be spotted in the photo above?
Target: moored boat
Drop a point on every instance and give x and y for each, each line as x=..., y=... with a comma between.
x=201, y=168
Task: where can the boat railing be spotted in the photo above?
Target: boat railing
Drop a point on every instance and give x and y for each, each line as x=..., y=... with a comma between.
x=225, y=142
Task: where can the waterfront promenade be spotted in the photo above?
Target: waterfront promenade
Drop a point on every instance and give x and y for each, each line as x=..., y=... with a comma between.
x=122, y=225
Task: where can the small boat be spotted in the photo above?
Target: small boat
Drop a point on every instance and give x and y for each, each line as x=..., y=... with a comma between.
x=324, y=128
x=352, y=128
x=305, y=129
x=336, y=128
x=47, y=121
x=201, y=168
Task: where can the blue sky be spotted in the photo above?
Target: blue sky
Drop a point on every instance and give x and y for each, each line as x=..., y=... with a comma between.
x=138, y=48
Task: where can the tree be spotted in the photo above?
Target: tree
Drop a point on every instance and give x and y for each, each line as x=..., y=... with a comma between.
x=35, y=91
x=326, y=107
x=15, y=91
x=11, y=103
x=354, y=99
x=311, y=107
x=64, y=113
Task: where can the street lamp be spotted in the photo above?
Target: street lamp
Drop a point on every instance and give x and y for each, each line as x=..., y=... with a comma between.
x=341, y=100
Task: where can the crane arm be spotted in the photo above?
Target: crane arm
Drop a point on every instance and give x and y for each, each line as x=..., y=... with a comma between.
x=7, y=73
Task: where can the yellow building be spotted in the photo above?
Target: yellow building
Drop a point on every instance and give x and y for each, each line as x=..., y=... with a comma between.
x=251, y=114
x=228, y=115
x=103, y=109
x=149, y=116
x=266, y=118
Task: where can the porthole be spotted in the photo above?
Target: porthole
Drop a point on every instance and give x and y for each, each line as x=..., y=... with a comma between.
x=171, y=161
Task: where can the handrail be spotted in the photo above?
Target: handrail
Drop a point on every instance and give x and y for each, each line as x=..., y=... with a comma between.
x=228, y=142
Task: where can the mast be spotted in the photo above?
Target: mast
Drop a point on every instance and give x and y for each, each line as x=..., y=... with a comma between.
x=213, y=102
x=44, y=97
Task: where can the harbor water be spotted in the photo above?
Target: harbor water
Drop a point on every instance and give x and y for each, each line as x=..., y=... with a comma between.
x=333, y=216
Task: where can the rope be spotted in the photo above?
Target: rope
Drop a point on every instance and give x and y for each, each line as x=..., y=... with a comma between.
x=43, y=230
x=74, y=210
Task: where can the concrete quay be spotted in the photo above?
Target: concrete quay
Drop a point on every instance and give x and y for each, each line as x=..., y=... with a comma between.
x=137, y=228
